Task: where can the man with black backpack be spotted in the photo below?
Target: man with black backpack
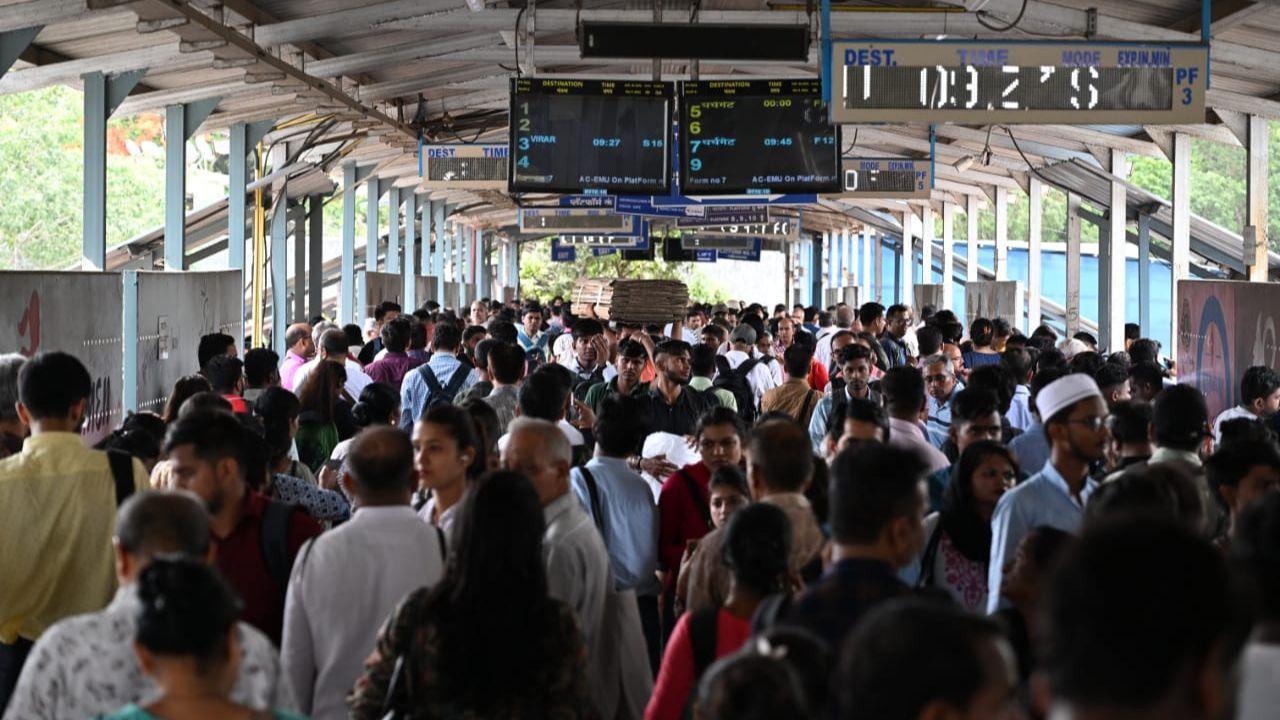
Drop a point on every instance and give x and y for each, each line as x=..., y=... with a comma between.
x=58, y=504
x=744, y=374
x=440, y=380
x=256, y=539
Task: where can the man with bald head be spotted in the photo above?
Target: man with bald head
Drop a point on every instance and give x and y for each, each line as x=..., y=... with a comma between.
x=372, y=561
x=578, y=571
x=299, y=349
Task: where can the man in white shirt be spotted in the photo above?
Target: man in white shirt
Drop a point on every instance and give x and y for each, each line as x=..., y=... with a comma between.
x=333, y=348
x=85, y=666
x=741, y=343
x=1259, y=398
x=578, y=572
x=347, y=581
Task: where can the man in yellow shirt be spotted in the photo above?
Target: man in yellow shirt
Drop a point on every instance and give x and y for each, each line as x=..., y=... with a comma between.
x=57, y=513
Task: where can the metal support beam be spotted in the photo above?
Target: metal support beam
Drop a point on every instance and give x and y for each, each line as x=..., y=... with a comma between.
x=347, y=268
x=371, y=224
x=315, y=256
x=1144, y=274
x=393, y=229
x=868, y=263
x=907, y=266
x=1035, y=231
x=971, y=238
x=300, y=262
x=102, y=95
x=180, y=124
x=482, y=264
x=438, y=256
x=926, y=242
x=410, y=292
x=1002, y=233
x=948, y=254
x=1111, y=322
x=244, y=136
x=1257, y=186
x=1181, y=235
x=13, y=43
x=1073, y=264
x=877, y=252
x=279, y=270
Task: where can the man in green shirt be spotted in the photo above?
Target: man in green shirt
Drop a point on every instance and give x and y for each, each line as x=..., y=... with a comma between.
x=702, y=368
x=632, y=357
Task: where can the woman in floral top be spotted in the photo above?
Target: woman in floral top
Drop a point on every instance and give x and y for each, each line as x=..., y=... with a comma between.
x=487, y=641
x=958, y=539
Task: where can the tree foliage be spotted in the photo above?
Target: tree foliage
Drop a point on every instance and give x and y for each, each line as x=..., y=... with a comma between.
x=542, y=278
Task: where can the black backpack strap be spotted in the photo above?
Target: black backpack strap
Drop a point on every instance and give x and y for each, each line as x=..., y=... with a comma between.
x=433, y=382
x=122, y=472
x=594, y=491
x=703, y=503
x=702, y=639
x=929, y=555
x=274, y=539
x=722, y=365
x=444, y=549
x=460, y=375
x=746, y=367
x=804, y=409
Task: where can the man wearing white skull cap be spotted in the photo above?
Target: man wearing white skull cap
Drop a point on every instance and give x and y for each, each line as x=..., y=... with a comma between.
x=1074, y=414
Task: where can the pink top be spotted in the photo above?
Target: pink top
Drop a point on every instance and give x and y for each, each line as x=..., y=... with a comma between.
x=675, y=679
x=289, y=368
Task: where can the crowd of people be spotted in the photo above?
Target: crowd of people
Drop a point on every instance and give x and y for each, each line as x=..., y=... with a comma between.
x=511, y=511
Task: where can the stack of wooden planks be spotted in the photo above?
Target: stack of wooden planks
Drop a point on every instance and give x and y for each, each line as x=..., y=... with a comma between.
x=630, y=301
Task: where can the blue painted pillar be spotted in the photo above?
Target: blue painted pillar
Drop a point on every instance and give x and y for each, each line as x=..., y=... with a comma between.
x=438, y=257
x=393, y=230
x=347, y=272
x=410, y=251
x=371, y=225
x=279, y=270
x=180, y=124
x=102, y=95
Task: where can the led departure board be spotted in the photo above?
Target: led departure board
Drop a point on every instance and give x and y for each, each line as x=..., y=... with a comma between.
x=887, y=178
x=464, y=167
x=576, y=220
x=574, y=136
x=987, y=81
x=756, y=136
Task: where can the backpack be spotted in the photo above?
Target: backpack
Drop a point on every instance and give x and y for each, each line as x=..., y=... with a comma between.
x=735, y=381
x=274, y=542
x=122, y=473
x=438, y=394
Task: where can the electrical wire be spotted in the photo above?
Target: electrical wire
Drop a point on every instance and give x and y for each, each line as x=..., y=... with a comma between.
x=853, y=143
x=1034, y=170
x=979, y=17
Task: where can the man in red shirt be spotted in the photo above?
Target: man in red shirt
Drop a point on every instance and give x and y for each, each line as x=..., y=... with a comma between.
x=684, y=510
x=256, y=538
x=226, y=375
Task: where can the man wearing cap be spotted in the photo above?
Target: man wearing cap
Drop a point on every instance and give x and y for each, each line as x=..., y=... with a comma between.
x=1074, y=414
x=742, y=342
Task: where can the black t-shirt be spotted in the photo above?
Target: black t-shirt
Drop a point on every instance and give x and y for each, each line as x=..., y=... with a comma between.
x=680, y=418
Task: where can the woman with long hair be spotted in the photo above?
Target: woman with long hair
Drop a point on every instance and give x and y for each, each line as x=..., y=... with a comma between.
x=319, y=394
x=487, y=641
x=757, y=547
x=184, y=388
x=286, y=479
x=186, y=642
x=958, y=538
x=447, y=455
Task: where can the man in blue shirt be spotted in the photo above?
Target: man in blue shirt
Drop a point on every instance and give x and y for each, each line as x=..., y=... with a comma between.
x=530, y=336
x=622, y=505
x=416, y=394
x=941, y=383
x=1075, y=424
x=1031, y=448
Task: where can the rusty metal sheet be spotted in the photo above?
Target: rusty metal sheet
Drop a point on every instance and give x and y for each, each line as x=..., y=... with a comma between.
x=74, y=312
x=1224, y=327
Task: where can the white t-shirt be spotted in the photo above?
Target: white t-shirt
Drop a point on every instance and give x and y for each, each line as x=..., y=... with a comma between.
x=1259, y=682
x=1232, y=413
x=761, y=379
x=357, y=380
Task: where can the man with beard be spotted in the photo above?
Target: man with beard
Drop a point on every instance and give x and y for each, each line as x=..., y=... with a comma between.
x=855, y=366
x=1075, y=417
x=675, y=407
x=632, y=357
x=256, y=539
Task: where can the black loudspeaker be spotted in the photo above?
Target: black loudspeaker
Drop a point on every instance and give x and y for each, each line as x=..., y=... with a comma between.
x=701, y=42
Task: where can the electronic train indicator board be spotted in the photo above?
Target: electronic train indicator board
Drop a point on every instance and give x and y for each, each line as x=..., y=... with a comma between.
x=888, y=178
x=576, y=221
x=756, y=137
x=573, y=136
x=984, y=81
x=464, y=167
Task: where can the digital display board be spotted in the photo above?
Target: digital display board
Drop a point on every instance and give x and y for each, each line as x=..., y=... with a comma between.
x=985, y=81
x=631, y=242
x=464, y=167
x=572, y=136
x=756, y=136
x=887, y=178
x=576, y=220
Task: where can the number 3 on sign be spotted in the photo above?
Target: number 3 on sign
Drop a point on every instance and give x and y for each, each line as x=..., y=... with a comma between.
x=1186, y=96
